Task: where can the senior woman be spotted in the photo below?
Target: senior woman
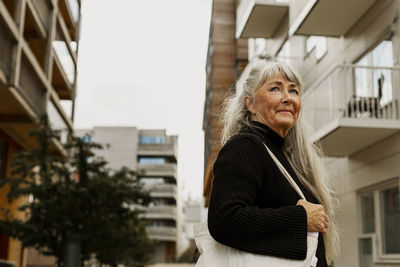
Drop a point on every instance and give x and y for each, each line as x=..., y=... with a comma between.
x=252, y=206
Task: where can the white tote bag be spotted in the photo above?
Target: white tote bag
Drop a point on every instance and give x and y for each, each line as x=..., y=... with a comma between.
x=214, y=254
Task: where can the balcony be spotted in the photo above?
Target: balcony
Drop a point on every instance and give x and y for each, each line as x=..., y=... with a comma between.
x=31, y=87
x=168, y=150
x=157, y=170
x=161, y=212
x=63, y=70
x=42, y=10
x=353, y=107
x=260, y=18
x=165, y=233
x=162, y=190
x=329, y=18
x=70, y=13
x=7, y=44
x=57, y=122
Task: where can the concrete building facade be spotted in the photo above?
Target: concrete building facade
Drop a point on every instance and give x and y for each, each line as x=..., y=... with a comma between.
x=39, y=42
x=153, y=154
x=348, y=55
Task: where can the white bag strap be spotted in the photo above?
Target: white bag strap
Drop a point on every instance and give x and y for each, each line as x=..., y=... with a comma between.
x=286, y=174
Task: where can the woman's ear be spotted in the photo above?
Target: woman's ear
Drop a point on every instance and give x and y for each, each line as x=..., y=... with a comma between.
x=250, y=104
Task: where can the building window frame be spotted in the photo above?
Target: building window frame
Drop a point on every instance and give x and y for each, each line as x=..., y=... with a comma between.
x=377, y=236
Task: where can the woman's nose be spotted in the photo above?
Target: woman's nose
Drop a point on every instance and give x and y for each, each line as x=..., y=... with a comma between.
x=286, y=97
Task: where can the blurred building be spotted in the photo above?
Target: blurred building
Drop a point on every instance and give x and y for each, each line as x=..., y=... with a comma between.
x=38, y=57
x=153, y=154
x=348, y=55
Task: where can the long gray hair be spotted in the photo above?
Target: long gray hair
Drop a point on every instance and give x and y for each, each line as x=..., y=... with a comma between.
x=303, y=155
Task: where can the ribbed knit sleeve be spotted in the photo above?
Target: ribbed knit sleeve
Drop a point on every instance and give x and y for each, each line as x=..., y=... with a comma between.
x=235, y=216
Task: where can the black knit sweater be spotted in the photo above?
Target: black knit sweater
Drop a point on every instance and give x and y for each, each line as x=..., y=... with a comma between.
x=252, y=205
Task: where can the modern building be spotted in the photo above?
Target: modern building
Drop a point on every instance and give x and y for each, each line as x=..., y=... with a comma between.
x=348, y=55
x=153, y=154
x=38, y=59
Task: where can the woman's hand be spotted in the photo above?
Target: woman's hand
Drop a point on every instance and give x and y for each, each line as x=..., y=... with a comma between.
x=317, y=220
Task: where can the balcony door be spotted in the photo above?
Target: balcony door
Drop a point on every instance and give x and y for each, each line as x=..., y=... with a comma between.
x=373, y=79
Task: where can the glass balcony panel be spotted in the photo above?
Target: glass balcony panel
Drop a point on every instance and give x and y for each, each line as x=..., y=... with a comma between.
x=74, y=7
x=6, y=45
x=161, y=232
x=67, y=107
x=43, y=9
x=62, y=52
x=57, y=122
x=31, y=87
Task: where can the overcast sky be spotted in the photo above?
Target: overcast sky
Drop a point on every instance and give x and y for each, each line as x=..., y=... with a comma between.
x=142, y=63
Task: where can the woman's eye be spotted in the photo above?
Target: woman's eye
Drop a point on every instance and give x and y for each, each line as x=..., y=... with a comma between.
x=274, y=89
x=294, y=91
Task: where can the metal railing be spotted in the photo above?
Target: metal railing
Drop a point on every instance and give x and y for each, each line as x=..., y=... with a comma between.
x=352, y=91
x=161, y=231
x=162, y=188
x=160, y=211
x=157, y=170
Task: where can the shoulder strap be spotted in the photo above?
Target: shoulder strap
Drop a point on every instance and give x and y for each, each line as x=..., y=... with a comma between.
x=286, y=174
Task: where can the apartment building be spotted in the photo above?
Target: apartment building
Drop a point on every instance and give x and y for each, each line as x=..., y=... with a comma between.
x=153, y=154
x=348, y=54
x=38, y=58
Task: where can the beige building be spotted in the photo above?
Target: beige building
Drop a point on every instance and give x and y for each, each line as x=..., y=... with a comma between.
x=38, y=58
x=348, y=54
x=154, y=155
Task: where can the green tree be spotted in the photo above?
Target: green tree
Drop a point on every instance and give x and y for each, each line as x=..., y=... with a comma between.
x=76, y=194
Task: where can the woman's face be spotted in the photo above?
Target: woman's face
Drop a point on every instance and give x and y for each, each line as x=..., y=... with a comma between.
x=276, y=104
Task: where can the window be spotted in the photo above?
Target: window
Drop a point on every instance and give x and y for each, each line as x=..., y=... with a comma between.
x=376, y=81
x=2, y=159
x=152, y=140
x=380, y=219
x=319, y=43
x=151, y=160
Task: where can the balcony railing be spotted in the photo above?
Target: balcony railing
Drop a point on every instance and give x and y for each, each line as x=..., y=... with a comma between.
x=157, y=170
x=162, y=190
x=353, y=100
x=160, y=150
x=161, y=232
x=161, y=212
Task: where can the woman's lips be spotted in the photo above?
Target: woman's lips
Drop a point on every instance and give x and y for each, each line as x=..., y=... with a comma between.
x=286, y=110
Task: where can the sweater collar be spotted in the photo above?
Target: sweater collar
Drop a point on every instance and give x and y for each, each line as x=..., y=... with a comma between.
x=267, y=134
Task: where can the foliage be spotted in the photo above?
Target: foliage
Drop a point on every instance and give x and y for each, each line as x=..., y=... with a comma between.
x=76, y=194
